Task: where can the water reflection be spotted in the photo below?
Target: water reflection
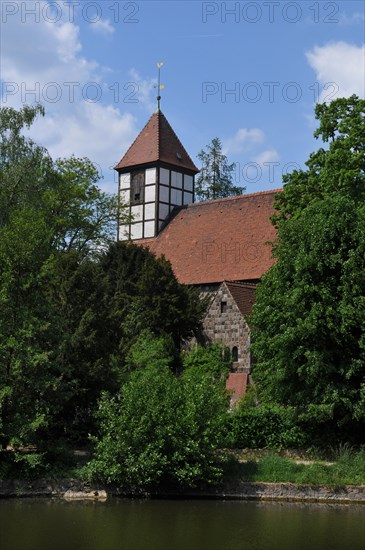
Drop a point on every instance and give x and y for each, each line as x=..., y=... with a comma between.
x=173, y=525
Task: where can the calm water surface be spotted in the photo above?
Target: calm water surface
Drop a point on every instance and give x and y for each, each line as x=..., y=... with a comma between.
x=27, y=524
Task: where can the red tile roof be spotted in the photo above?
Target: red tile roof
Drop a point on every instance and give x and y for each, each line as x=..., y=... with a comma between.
x=236, y=384
x=157, y=142
x=244, y=295
x=220, y=240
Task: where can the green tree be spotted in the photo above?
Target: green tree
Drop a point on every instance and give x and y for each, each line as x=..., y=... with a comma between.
x=113, y=312
x=336, y=167
x=212, y=360
x=73, y=288
x=81, y=216
x=77, y=214
x=24, y=166
x=142, y=292
x=26, y=333
x=160, y=429
x=46, y=209
x=308, y=321
x=152, y=350
x=215, y=180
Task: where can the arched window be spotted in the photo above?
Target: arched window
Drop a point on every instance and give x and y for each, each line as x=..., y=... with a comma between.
x=235, y=354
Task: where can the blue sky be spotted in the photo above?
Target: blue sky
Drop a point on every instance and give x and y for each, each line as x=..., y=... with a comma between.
x=246, y=72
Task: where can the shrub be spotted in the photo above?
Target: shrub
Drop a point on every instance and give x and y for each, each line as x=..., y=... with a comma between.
x=160, y=430
x=17, y=464
x=211, y=359
x=264, y=426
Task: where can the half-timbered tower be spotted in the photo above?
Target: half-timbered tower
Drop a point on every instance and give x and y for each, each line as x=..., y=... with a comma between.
x=156, y=175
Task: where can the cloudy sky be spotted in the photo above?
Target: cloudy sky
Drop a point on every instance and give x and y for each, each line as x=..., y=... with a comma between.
x=249, y=73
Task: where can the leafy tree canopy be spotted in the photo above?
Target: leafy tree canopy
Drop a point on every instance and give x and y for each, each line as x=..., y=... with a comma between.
x=308, y=321
x=143, y=292
x=115, y=314
x=151, y=350
x=211, y=359
x=338, y=168
x=215, y=180
x=46, y=209
x=160, y=429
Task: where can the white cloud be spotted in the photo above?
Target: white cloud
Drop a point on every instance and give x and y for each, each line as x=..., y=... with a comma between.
x=145, y=90
x=244, y=139
x=43, y=62
x=253, y=164
x=99, y=132
x=339, y=68
x=67, y=39
x=54, y=56
x=103, y=25
x=270, y=155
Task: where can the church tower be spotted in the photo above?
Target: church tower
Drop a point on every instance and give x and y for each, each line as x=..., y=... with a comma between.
x=156, y=175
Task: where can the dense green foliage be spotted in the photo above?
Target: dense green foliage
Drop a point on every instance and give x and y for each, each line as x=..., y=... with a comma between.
x=336, y=168
x=210, y=359
x=265, y=427
x=99, y=307
x=152, y=350
x=46, y=208
x=160, y=429
x=142, y=292
x=308, y=320
x=215, y=180
x=91, y=330
x=72, y=302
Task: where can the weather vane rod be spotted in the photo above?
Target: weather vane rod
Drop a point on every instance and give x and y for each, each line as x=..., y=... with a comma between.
x=159, y=85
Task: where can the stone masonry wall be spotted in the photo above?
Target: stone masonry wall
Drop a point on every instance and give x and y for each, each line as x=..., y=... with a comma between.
x=228, y=327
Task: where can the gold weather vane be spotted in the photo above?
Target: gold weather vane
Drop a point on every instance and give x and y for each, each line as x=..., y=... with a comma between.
x=159, y=86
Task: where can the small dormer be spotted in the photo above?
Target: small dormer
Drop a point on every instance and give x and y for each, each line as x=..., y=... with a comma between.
x=156, y=175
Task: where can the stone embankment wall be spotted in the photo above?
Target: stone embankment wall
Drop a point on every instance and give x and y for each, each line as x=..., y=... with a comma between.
x=66, y=488
x=288, y=492
x=72, y=489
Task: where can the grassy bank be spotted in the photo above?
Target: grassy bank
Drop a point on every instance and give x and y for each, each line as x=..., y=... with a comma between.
x=348, y=468
x=344, y=467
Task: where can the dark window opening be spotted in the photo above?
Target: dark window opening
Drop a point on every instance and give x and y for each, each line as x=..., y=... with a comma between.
x=235, y=354
x=137, y=187
x=223, y=307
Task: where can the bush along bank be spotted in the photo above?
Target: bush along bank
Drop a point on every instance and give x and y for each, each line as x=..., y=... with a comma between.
x=299, y=478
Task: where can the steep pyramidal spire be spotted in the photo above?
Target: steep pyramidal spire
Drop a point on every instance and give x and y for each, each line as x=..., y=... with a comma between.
x=157, y=142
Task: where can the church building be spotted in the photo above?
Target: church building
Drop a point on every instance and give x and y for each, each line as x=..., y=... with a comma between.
x=222, y=246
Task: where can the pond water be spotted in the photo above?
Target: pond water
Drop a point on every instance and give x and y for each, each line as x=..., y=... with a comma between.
x=118, y=524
